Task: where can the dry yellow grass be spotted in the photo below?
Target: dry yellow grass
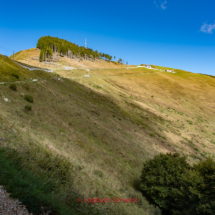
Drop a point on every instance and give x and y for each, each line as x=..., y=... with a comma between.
x=185, y=100
x=178, y=98
x=28, y=57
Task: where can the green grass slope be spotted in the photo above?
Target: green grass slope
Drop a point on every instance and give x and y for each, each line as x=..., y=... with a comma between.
x=75, y=142
x=88, y=136
x=11, y=71
x=179, y=106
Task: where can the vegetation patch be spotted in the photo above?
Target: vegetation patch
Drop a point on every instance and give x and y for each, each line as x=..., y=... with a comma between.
x=28, y=107
x=13, y=87
x=35, y=188
x=29, y=98
x=15, y=75
x=171, y=183
x=48, y=45
x=98, y=173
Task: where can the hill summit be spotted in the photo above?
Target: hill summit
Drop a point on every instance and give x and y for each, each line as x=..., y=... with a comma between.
x=49, y=45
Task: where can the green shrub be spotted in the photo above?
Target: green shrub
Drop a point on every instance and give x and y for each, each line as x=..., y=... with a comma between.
x=13, y=87
x=190, y=122
x=206, y=189
x=29, y=98
x=15, y=75
x=169, y=182
x=28, y=107
x=160, y=180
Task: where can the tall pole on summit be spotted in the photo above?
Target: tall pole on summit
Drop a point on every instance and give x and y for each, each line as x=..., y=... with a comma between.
x=85, y=43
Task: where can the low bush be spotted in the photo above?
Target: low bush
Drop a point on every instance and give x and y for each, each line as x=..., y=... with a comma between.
x=13, y=87
x=15, y=75
x=29, y=98
x=28, y=107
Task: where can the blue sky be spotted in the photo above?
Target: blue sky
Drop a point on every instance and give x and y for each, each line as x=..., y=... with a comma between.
x=172, y=33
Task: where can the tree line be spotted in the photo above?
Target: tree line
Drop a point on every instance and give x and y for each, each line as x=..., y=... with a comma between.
x=49, y=45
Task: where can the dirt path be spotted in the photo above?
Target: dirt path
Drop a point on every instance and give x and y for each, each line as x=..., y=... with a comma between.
x=10, y=82
x=34, y=68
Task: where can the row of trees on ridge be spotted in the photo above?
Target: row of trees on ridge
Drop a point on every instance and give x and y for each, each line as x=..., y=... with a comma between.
x=49, y=45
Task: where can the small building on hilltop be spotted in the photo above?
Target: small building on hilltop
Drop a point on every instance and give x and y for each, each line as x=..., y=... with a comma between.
x=148, y=66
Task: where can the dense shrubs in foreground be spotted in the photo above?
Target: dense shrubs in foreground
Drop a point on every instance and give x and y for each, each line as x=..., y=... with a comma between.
x=171, y=183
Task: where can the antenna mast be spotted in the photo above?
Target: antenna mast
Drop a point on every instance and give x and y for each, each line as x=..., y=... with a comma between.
x=85, y=43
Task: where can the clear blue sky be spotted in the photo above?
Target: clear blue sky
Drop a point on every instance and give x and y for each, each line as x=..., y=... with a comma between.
x=173, y=33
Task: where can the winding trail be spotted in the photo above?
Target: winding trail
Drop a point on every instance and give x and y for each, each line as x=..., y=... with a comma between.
x=29, y=68
x=34, y=68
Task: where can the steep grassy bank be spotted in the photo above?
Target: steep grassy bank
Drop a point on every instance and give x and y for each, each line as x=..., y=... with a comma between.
x=12, y=71
x=75, y=123
x=179, y=106
x=103, y=126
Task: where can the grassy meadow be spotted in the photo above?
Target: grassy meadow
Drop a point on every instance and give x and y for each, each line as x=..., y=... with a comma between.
x=88, y=134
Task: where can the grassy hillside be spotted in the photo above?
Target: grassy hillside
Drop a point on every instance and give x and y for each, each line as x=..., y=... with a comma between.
x=88, y=135
x=12, y=71
x=179, y=106
x=68, y=140
x=31, y=56
x=25, y=54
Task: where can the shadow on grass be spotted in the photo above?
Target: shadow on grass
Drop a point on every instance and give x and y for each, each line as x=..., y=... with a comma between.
x=36, y=189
